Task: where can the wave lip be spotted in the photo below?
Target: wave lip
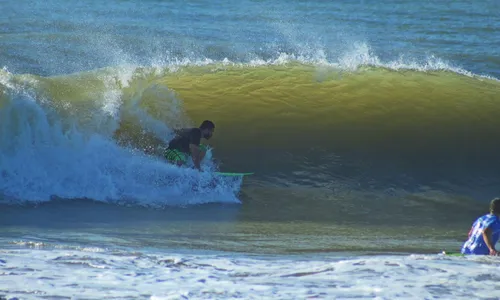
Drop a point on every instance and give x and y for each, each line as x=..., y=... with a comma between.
x=357, y=56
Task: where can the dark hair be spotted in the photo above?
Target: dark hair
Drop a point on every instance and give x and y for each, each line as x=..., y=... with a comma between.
x=207, y=125
x=495, y=206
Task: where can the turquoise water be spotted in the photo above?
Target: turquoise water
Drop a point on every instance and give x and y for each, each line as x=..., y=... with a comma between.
x=370, y=128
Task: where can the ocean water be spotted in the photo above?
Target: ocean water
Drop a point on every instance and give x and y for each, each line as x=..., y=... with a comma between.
x=371, y=128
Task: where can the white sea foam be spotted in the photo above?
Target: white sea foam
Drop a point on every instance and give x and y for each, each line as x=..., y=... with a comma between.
x=176, y=275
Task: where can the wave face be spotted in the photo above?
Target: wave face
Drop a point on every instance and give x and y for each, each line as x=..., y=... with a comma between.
x=87, y=135
x=375, y=128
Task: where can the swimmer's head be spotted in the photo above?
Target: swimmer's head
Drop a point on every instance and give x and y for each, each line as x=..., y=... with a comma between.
x=495, y=206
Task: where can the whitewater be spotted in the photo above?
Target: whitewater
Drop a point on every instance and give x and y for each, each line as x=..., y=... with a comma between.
x=101, y=273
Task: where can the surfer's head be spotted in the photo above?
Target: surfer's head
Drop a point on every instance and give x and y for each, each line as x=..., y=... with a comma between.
x=207, y=129
x=495, y=206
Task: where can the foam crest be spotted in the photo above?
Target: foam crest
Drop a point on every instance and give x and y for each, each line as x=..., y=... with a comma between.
x=353, y=58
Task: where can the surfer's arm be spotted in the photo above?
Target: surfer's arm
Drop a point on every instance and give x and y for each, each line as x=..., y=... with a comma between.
x=194, y=148
x=195, y=154
x=488, y=240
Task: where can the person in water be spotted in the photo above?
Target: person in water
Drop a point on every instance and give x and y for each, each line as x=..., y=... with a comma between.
x=187, y=143
x=485, y=232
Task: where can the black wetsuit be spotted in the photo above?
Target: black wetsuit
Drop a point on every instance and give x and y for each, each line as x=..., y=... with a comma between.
x=184, y=138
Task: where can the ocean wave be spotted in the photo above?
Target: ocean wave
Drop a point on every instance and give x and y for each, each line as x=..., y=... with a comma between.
x=290, y=122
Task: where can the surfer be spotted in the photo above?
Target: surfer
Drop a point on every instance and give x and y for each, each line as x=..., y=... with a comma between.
x=485, y=232
x=187, y=143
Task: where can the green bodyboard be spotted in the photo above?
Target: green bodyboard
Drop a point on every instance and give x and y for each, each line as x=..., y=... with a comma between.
x=233, y=174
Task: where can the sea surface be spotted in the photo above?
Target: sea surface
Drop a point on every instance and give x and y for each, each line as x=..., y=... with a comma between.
x=372, y=129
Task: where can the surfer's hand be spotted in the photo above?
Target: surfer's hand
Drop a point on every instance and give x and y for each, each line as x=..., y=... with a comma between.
x=493, y=252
